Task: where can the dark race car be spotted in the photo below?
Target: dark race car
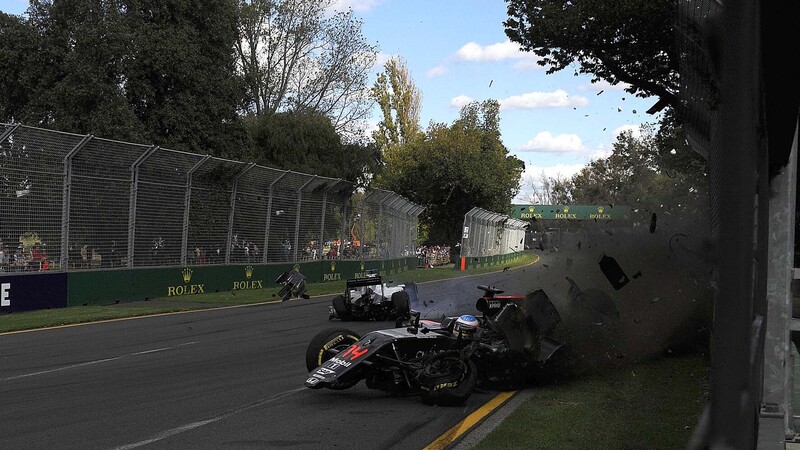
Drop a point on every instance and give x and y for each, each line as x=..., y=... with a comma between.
x=507, y=346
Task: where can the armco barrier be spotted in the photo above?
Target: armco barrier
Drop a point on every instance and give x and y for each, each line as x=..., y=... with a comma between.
x=32, y=291
x=473, y=262
x=125, y=285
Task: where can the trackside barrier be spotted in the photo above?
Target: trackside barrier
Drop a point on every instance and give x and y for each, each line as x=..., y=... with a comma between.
x=104, y=287
x=33, y=291
x=472, y=262
x=126, y=285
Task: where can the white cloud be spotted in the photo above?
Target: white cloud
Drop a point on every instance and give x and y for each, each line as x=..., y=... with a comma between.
x=436, y=71
x=460, y=101
x=545, y=142
x=601, y=152
x=603, y=85
x=528, y=64
x=501, y=51
x=381, y=59
x=635, y=129
x=533, y=100
x=360, y=6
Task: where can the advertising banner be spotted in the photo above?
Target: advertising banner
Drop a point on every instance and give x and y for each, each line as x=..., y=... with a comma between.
x=33, y=291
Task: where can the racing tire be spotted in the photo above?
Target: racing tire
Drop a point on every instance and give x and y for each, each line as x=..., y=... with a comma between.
x=400, y=301
x=447, y=379
x=340, y=307
x=285, y=292
x=327, y=344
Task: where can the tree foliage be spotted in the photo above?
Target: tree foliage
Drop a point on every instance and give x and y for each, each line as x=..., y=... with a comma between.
x=547, y=190
x=179, y=74
x=455, y=168
x=293, y=57
x=644, y=172
x=399, y=100
x=308, y=143
x=134, y=70
x=617, y=41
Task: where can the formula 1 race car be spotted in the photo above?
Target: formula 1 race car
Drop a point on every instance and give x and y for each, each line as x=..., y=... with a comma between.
x=507, y=346
x=369, y=298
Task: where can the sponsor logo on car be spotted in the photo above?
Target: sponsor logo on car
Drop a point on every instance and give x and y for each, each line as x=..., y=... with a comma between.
x=340, y=362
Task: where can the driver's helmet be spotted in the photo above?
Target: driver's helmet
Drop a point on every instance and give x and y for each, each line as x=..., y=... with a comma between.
x=466, y=325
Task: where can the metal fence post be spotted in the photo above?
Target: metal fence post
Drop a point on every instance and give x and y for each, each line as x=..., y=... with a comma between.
x=297, y=214
x=134, y=200
x=187, y=206
x=269, y=215
x=8, y=133
x=322, y=218
x=344, y=230
x=379, y=233
x=233, y=210
x=65, y=200
x=362, y=220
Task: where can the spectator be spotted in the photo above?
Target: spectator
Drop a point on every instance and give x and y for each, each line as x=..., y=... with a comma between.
x=19, y=260
x=38, y=256
x=5, y=257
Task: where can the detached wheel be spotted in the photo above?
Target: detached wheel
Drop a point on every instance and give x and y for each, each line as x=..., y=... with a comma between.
x=325, y=345
x=340, y=307
x=285, y=292
x=400, y=302
x=447, y=380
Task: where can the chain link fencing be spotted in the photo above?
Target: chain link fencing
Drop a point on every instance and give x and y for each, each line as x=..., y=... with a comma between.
x=73, y=202
x=488, y=233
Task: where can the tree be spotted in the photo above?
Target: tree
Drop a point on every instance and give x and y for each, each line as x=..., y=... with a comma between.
x=617, y=41
x=399, y=100
x=74, y=76
x=446, y=172
x=18, y=56
x=179, y=75
x=133, y=70
x=638, y=174
x=549, y=190
x=308, y=143
x=294, y=58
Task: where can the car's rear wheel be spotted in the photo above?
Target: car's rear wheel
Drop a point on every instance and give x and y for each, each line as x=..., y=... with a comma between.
x=447, y=379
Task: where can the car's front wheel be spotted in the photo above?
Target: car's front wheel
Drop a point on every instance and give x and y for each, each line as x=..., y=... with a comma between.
x=328, y=343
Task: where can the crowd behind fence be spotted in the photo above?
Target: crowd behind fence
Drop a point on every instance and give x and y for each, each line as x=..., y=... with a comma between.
x=488, y=233
x=74, y=202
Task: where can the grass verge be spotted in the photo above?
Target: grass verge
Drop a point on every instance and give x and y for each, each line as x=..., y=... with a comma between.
x=650, y=405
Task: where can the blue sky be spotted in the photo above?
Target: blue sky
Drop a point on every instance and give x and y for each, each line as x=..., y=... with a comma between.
x=457, y=51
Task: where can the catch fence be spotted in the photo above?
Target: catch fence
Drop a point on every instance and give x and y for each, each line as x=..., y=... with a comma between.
x=84, y=202
x=488, y=233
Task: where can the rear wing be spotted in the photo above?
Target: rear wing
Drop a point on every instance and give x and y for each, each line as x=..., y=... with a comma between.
x=368, y=281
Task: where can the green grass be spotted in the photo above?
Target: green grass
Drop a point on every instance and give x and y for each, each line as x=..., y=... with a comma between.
x=81, y=314
x=650, y=405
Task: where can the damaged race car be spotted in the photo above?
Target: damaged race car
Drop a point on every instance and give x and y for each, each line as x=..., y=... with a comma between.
x=369, y=298
x=508, y=345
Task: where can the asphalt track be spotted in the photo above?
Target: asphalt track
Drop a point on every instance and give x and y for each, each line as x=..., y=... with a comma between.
x=226, y=378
